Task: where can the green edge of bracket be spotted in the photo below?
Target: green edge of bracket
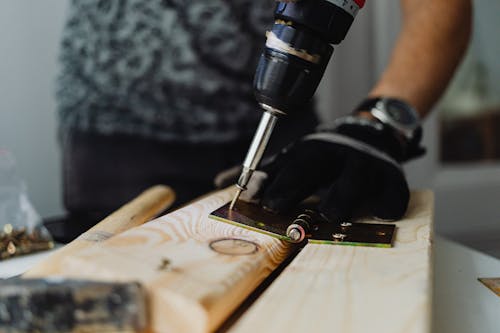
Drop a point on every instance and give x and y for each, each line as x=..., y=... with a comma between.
x=244, y=226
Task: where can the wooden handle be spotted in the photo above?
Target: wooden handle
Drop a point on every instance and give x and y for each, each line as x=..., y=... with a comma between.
x=146, y=206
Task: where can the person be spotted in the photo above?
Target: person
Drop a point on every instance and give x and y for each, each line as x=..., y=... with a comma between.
x=161, y=92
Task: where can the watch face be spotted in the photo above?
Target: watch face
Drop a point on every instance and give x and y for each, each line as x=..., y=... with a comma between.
x=401, y=113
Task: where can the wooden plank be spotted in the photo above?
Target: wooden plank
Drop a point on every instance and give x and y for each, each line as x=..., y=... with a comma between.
x=196, y=270
x=354, y=289
x=145, y=207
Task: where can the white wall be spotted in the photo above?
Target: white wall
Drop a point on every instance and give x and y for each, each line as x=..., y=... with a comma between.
x=29, y=40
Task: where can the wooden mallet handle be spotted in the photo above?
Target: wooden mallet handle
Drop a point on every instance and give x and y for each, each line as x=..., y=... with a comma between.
x=146, y=206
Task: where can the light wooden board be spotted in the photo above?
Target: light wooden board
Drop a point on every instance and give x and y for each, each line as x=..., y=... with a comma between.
x=354, y=289
x=145, y=207
x=191, y=287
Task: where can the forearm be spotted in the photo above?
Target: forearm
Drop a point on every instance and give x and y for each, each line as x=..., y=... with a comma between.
x=433, y=39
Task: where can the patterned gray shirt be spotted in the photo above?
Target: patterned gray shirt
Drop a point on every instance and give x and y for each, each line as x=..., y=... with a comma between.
x=173, y=70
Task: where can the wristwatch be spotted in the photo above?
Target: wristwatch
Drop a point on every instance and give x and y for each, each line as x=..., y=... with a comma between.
x=395, y=113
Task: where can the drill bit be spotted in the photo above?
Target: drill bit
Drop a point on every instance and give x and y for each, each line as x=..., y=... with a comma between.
x=235, y=198
x=256, y=150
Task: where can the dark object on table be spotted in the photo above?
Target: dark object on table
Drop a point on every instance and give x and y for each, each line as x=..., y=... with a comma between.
x=59, y=305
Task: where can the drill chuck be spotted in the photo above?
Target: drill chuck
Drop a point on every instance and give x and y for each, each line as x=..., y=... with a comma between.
x=290, y=68
x=298, y=49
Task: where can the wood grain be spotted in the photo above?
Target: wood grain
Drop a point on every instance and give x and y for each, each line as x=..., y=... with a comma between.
x=354, y=289
x=196, y=270
x=146, y=206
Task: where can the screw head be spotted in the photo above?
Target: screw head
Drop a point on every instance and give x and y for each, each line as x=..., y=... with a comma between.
x=338, y=237
x=7, y=229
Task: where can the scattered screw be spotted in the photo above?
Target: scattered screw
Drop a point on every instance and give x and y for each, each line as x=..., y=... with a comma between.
x=11, y=248
x=18, y=241
x=7, y=229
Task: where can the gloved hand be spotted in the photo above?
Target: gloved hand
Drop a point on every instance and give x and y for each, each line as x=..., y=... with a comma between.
x=357, y=160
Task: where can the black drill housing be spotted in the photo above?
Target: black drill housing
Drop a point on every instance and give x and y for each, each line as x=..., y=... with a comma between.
x=285, y=81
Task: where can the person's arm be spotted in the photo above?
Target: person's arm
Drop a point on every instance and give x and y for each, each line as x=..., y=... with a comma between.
x=433, y=39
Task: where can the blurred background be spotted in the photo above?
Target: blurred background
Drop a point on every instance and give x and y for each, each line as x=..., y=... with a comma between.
x=462, y=135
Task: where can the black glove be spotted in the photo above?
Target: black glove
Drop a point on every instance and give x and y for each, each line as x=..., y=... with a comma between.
x=356, y=160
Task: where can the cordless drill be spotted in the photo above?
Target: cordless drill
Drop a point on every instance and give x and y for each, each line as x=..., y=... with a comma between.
x=290, y=68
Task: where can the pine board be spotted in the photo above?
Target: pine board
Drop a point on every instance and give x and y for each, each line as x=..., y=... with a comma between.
x=146, y=206
x=354, y=289
x=191, y=287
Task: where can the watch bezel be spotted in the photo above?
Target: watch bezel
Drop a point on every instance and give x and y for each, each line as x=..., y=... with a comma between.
x=380, y=112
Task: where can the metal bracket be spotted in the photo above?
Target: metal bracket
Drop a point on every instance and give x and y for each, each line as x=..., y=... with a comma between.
x=253, y=217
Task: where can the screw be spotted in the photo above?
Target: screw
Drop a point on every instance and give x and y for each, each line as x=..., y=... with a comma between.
x=7, y=229
x=339, y=237
x=11, y=248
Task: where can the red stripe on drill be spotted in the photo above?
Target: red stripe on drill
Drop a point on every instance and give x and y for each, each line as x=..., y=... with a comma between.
x=360, y=3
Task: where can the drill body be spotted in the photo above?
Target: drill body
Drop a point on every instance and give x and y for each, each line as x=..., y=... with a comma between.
x=297, y=51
